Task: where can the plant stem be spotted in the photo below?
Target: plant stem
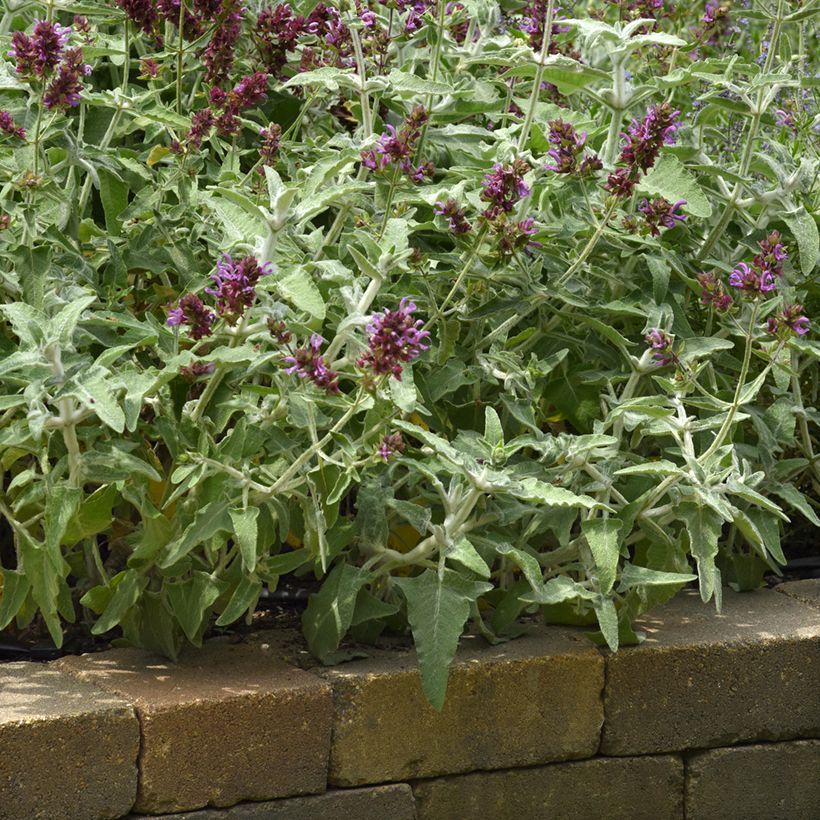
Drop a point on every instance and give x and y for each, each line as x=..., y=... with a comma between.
x=613, y=136
x=590, y=246
x=457, y=284
x=364, y=100
x=741, y=383
x=539, y=75
x=748, y=148
x=180, y=54
x=442, y=11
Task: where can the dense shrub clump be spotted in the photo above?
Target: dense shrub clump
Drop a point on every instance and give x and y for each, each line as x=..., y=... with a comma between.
x=467, y=310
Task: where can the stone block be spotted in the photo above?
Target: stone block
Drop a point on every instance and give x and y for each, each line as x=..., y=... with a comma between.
x=807, y=590
x=227, y=723
x=775, y=781
x=704, y=679
x=393, y=802
x=67, y=750
x=532, y=700
x=637, y=788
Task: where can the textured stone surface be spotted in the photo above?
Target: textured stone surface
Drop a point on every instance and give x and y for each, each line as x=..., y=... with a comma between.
x=776, y=781
x=227, y=723
x=394, y=802
x=807, y=590
x=705, y=680
x=638, y=788
x=532, y=700
x=67, y=750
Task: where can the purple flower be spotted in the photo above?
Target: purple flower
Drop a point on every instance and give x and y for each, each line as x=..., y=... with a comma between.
x=196, y=370
x=645, y=139
x=39, y=54
x=789, y=322
x=514, y=236
x=713, y=293
x=277, y=31
x=141, y=13
x=659, y=213
x=398, y=147
x=64, y=90
x=192, y=312
x=567, y=147
x=661, y=342
x=504, y=186
x=9, y=127
x=236, y=282
x=308, y=363
x=752, y=281
x=391, y=444
x=456, y=217
x=394, y=338
x=218, y=55
x=771, y=255
x=269, y=143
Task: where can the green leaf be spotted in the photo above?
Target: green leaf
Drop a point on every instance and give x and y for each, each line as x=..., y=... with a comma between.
x=527, y=563
x=298, y=287
x=464, y=553
x=493, y=432
x=208, y=521
x=61, y=506
x=635, y=576
x=244, y=598
x=662, y=467
x=45, y=584
x=401, y=81
x=558, y=590
x=192, y=599
x=531, y=489
x=371, y=608
x=703, y=525
x=791, y=495
x=97, y=393
x=670, y=179
x=438, y=605
x=330, y=611
x=114, y=197
x=244, y=527
x=804, y=229
x=27, y=322
x=129, y=586
x=284, y=562
x=603, y=537
x=608, y=621
x=15, y=588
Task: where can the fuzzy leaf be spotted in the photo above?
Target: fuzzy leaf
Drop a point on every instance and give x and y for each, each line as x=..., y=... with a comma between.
x=670, y=179
x=603, y=537
x=438, y=605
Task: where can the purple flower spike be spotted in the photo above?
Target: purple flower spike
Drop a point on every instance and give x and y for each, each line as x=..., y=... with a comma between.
x=752, y=281
x=789, y=322
x=504, y=186
x=568, y=148
x=39, y=54
x=659, y=213
x=391, y=444
x=236, y=282
x=192, y=312
x=456, y=217
x=394, y=338
x=661, y=342
x=307, y=363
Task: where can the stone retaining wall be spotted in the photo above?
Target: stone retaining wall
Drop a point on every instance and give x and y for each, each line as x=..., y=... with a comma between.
x=714, y=716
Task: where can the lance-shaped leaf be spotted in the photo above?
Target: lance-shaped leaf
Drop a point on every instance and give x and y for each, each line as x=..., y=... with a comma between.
x=603, y=537
x=670, y=179
x=330, y=610
x=635, y=576
x=245, y=529
x=703, y=525
x=438, y=605
x=531, y=489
